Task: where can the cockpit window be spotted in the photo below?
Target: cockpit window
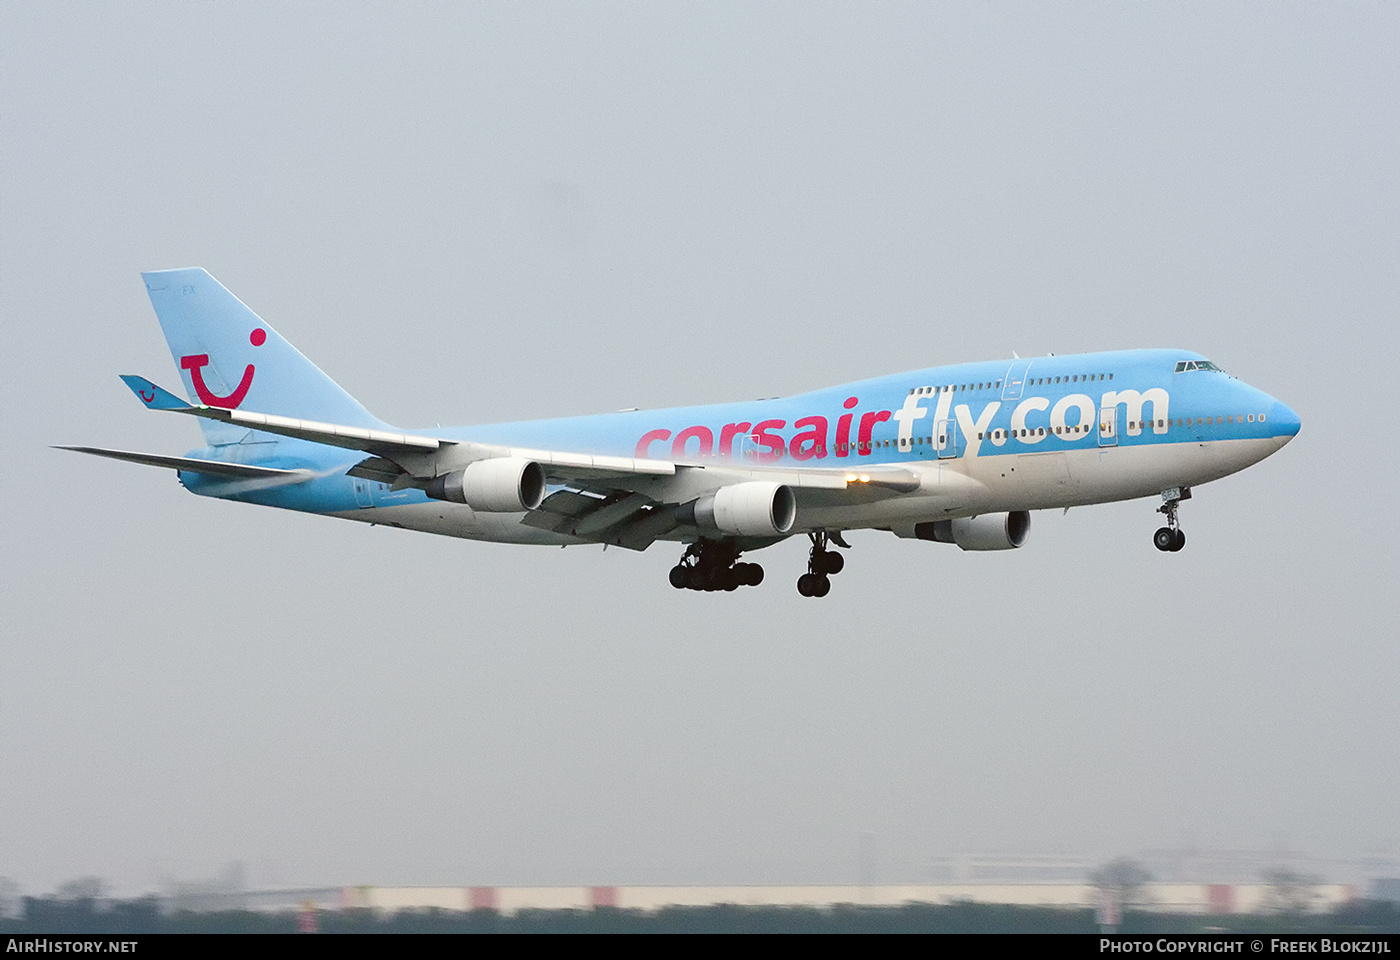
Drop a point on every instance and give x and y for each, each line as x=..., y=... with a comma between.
x=1183, y=366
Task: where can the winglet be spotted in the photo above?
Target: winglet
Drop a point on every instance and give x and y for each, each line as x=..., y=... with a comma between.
x=153, y=396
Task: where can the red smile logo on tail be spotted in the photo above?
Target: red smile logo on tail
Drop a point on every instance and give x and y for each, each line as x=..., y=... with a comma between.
x=196, y=362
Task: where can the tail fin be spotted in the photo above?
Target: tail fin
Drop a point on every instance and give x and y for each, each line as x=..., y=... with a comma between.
x=228, y=357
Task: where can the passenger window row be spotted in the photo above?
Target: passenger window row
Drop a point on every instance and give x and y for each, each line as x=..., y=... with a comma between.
x=1035, y=432
x=996, y=385
x=866, y=447
x=1070, y=431
x=955, y=388
x=1078, y=378
x=1230, y=418
x=1199, y=421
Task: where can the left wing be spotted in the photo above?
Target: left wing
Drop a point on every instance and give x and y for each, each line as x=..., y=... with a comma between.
x=416, y=456
x=380, y=442
x=627, y=501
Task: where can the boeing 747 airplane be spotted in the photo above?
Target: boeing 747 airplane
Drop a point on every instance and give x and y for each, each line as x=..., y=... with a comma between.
x=958, y=454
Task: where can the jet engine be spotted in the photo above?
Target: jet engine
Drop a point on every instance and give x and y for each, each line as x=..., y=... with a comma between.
x=990, y=531
x=756, y=508
x=499, y=485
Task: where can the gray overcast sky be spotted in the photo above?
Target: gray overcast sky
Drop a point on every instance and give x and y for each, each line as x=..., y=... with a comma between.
x=469, y=213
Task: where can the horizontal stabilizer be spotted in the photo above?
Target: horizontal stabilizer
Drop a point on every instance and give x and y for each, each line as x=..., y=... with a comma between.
x=216, y=468
x=153, y=396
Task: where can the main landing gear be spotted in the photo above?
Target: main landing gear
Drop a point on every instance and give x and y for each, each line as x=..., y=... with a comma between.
x=714, y=565
x=1171, y=538
x=822, y=565
x=711, y=565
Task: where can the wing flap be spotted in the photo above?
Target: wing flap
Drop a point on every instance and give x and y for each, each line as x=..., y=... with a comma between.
x=569, y=503
x=632, y=521
x=378, y=470
x=643, y=530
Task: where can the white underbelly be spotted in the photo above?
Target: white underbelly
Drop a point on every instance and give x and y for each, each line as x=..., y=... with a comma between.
x=966, y=487
x=457, y=520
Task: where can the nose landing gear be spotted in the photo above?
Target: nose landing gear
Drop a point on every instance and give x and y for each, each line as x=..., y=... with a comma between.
x=822, y=565
x=1171, y=538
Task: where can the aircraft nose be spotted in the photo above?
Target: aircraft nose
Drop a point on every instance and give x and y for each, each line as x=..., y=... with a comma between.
x=1284, y=423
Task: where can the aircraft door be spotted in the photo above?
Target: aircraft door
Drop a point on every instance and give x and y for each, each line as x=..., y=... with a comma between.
x=1108, y=426
x=386, y=496
x=946, y=439
x=362, y=494
x=748, y=448
x=1015, y=380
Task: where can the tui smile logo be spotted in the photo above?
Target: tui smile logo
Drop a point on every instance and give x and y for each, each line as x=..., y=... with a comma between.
x=196, y=362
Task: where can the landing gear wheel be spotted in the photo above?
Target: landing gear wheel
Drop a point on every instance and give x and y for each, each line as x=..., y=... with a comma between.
x=712, y=565
x=750, y=574
x=1170, y=537
x=822, y=565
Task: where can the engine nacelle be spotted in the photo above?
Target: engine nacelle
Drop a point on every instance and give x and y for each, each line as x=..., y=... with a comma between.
x=499, y=485
x=990, y=531
x=756, y=508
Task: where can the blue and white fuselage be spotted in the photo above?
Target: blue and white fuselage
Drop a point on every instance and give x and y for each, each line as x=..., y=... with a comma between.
x=957, y=453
